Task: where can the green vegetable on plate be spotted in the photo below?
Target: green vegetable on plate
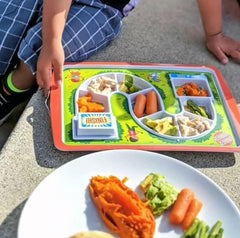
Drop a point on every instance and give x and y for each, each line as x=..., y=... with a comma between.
x=159, y=193
x=199, y=229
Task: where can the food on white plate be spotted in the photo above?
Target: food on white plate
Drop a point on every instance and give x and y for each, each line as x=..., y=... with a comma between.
x=159, y=193
x=201, y=229
x=92, y=234
x=103, y=85
x=121, y=209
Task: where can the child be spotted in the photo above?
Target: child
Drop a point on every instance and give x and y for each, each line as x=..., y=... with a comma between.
x=62, y=30
x=37, y=36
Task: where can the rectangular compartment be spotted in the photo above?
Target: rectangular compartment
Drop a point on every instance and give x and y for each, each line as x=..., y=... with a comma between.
x=180, y=80
x=205, y=103
x=96, y=98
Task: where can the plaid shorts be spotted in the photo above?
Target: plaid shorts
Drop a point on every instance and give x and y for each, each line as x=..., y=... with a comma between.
x=90, y=26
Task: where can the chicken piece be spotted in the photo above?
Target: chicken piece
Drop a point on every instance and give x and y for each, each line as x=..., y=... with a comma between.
x=183, y=120
x=192, y=132
x=184, y=130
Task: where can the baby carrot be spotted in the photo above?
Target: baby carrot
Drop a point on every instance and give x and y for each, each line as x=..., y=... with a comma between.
x=181, y=205
x=140, y=105
x=192, y=212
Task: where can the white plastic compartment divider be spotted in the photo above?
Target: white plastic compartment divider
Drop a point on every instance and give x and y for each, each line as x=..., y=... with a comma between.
x=80, y=133
x=176, y=80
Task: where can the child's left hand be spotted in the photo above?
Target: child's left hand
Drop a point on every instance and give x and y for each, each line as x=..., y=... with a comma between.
x=222, y=47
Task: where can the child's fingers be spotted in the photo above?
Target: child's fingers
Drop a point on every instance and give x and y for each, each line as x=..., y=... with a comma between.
x=235, y=54
x=58, y=73
x=44, y=79
x=221, y=56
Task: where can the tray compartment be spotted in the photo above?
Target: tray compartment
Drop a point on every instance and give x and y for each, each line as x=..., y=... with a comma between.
x=199, y=80
x=97, y=98
x=105, y=83
x=129, y=81
x=192, y=126
x=204, y=103
x=161, y=124
x=132, y=100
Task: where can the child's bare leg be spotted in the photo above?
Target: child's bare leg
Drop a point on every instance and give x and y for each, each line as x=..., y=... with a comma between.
x=15, y=88
x=22, y=77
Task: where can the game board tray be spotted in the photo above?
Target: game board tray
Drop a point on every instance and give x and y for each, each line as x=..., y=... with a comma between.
x=101, y=106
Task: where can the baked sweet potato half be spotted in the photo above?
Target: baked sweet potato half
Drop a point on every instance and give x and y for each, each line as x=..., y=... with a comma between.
x=121, y=209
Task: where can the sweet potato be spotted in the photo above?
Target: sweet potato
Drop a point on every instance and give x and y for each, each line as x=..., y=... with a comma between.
x=121, y=209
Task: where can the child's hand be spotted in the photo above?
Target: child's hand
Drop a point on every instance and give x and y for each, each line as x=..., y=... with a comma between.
x=50, y=59
x=223, y=46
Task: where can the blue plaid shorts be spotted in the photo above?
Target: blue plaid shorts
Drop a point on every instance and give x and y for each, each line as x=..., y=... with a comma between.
x=91, y=25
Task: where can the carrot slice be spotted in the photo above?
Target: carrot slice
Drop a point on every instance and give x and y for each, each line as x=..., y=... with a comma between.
x=85, y=104
x=181, y=205
x=192, y=212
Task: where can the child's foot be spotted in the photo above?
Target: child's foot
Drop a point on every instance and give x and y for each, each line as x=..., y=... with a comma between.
x=9, y=99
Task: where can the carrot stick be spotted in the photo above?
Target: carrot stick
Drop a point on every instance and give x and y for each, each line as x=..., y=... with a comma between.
x=192, y=212
x=180, y=206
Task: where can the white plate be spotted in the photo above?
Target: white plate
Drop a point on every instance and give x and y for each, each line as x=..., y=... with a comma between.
x=61, y=206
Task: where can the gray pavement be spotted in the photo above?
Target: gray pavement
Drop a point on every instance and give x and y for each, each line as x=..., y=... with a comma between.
x=8, y=126
x=166, y=31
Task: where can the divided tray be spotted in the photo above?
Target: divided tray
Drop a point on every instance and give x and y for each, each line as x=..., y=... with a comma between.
x=99, y=108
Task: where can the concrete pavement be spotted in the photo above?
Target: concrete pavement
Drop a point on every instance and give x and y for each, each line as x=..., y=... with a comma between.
x=166, y=31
